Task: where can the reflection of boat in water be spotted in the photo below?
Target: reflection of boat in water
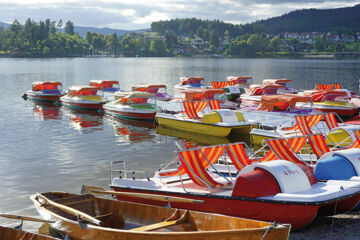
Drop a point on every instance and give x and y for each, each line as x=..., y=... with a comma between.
x=132, y=131
x=201, y=139
x=46, y=110
x=85, y=121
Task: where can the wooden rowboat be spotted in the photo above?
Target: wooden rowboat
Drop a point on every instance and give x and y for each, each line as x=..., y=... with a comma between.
x=7, y=233
x=89, y=217
x=14, y=234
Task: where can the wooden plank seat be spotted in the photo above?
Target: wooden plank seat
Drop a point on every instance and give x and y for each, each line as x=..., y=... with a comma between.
x=171, y=221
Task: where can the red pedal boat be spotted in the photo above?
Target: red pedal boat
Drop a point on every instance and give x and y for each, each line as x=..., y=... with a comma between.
x=277, y=190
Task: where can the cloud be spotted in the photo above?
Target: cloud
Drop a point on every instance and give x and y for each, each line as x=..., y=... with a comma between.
x=138, y=14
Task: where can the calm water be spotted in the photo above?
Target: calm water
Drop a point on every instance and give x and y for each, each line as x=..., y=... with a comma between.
x=45, y=148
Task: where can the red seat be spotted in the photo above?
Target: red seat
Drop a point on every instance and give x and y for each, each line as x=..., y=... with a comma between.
x=257, y=183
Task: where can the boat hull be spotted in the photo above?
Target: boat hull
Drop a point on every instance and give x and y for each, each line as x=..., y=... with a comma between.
x=219, y=228
x=82, y=105
x=341, y=109
x=42, y=97
x=345, y=113
x=297, y=215
x=137, y=115
x=15, y=234
x=197, y=127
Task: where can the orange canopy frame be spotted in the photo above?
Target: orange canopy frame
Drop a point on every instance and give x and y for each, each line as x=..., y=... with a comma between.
x=319, y=95
x=202, y=94
x=238, y=80
x=259, y=89
x=191, y=80
x=83, y=91
x=147, y=88
x=38, y=86
x=275, y=81
x=280, y=102
x=103, y=83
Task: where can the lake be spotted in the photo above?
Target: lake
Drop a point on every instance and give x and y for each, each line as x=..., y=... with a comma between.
x=47, y=148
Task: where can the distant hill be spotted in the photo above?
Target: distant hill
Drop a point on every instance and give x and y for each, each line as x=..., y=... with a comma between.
x=83, y=30
x=4, y=25
x=311, y=20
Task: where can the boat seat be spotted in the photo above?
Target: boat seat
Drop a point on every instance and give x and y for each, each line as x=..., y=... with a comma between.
x=171, y=221
x=155, y=226
x=84, y=203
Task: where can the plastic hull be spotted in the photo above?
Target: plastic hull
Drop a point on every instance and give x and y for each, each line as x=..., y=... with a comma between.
x=297, y=215
x=133, y=114
x=42, y=97
x=197, y=127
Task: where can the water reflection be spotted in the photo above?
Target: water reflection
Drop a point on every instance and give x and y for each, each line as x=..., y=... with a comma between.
x=131, y=130
x=85, y=121
x=46, y=110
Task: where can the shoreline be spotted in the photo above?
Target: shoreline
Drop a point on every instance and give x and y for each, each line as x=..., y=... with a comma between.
x=297, y=55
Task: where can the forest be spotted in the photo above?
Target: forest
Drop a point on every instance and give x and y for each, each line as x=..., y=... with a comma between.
x=176, y=37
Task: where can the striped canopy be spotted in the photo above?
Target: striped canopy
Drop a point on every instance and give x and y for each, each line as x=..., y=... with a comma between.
x=207, y=155
x=318, y=144
x=324, y=86
x=218, y=85
x=238, y=156
x=192, y=108
x=282, y=149
x=295, y=144
x=214, y=104
x=330, y=121
x=194, y=168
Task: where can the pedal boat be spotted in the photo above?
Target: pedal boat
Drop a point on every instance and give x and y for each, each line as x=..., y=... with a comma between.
x=277, y=190
x=219, y=123
x=132, y=105
x=84, y=98
x=328, y=101
x=240, y=81
x=287, y=83
x=109, y=87
x=85, y=217
x=159, y=91
x=45, y=92
x=253, y=97
x=188, y=83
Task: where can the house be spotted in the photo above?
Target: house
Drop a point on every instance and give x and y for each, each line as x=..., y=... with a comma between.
x=197, y=41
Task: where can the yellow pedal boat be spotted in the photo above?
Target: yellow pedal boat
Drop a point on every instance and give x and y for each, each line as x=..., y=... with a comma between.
x=216, y=123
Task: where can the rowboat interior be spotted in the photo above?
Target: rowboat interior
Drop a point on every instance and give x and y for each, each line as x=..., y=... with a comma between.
x=116, y=216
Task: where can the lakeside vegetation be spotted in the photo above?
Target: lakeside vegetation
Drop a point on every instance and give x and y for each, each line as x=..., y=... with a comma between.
x=189, y=37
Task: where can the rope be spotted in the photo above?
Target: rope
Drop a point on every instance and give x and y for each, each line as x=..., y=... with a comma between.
x=273, y=225
x=336, y=202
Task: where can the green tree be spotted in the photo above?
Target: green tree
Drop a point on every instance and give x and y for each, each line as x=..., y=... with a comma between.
x=214, y=38
x=59, y=25
x=158, y=48
x=128, y=45
x=170, y=39
x=319, y=44
x=275, y=43
x=69, y=28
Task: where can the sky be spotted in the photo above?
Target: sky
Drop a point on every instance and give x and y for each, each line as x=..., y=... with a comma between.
x=138, y=14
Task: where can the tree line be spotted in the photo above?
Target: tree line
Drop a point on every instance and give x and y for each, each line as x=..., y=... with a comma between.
x=50, y=39
x=167, y=38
